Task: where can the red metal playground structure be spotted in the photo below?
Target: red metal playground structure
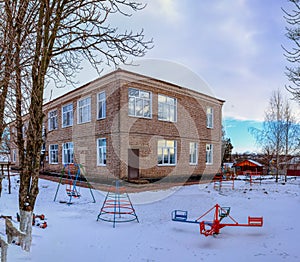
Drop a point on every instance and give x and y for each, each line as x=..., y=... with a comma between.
x=212, y=227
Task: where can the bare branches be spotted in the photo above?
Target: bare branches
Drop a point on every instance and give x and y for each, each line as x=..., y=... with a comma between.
x=293, y=55
x=279, y=136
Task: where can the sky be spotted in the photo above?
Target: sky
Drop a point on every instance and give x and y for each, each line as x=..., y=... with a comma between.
x=233, y=45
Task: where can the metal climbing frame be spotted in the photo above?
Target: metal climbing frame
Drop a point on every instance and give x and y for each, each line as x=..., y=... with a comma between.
x=117, y=206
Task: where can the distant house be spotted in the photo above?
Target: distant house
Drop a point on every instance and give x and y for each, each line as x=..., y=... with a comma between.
x=132, y=126
x=292, y=166
x=248, y=165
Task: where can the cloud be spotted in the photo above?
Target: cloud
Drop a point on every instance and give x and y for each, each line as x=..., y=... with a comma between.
x=167, y=10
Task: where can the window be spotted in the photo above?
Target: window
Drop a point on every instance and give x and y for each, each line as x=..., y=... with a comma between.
x=14, y=155
x=101, y=152
x=44, y=132
x=52, y=120
x=24, y=129
x=193, y=153
x=166, y=152
x=209, y=117
x=53, y=153
x=68, y=153
x=101, y=105
x=67, y=115
x=84, y=110
x=209, y=153
x=167, y=108
x=139, y=103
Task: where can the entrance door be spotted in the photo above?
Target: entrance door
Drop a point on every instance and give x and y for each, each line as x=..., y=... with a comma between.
x=133, y=164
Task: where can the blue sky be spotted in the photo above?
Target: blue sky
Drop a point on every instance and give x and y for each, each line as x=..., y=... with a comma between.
x=234, y=45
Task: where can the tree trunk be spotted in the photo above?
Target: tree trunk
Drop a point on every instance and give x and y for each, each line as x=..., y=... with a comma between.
x=26, y=227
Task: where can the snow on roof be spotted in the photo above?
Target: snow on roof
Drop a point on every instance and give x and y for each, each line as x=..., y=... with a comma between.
x=255, y=162
x=170, y=72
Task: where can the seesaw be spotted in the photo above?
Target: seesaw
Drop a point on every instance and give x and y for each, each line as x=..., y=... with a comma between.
x=209, y=228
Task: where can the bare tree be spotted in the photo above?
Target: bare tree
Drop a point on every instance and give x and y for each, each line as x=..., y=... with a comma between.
x=292, y=55
x=56, y=36
x=279, y=135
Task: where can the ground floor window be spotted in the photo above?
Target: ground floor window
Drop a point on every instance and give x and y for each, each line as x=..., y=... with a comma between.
x=68, y=153
x=53, y=153
x=166, y=152
x=209, y=153
x=101, y=151
x=193, y=153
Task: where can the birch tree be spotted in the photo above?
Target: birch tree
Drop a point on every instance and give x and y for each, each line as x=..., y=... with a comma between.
x=279, y=136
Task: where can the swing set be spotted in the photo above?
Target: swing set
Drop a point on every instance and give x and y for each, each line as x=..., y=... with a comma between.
x=72, y=174
x=212, y=227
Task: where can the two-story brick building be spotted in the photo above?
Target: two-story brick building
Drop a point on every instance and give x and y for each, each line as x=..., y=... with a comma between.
x=132, y=126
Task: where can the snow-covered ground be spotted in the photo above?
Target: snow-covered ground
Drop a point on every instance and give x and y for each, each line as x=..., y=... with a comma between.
x=73, y=234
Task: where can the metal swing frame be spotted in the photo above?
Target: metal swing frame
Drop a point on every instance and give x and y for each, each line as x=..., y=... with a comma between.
x=72, y=191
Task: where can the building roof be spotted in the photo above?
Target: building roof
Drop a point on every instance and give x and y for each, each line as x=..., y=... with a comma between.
x=160, y=70
x=171, y=72
x=249, y=162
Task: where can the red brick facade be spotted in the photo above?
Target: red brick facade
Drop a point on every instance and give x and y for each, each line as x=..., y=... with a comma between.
x=125, y=134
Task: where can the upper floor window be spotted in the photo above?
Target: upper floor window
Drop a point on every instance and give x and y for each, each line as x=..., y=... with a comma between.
x=52, y=120
x=209, y=153
x=209, y=117
x=139, y=103
x=167, y=108
x=193, y=153
x=53, y=153
x=166, y=152
x=84, y=110
x=67, y=115
x=14, y=155
x=101, y=106
x=68, y=153
x=101, y=152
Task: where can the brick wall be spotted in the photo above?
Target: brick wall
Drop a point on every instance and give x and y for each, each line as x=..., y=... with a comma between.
x=123, y=132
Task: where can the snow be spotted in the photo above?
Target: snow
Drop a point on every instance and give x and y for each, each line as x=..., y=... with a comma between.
x=73, y=234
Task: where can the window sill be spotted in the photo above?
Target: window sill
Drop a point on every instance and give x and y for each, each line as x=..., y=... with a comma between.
x=143, y=117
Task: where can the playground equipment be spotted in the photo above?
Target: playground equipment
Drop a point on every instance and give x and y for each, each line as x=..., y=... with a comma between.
x=253, y=177
x=223, y=183
x=212, y=227
x=117, y=206
x=73, y=175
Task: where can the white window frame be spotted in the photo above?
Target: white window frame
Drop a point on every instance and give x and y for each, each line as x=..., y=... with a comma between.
x=68, y=148
x=209, y=117
x=193, y=156
x=52, y=120
x=101, y=103
x=166, y=107
x=161, y=150
x=139, y=98
x=209, y=154
x=53, y=152
x=101, y=152
x=65, y=114
x=84, y=111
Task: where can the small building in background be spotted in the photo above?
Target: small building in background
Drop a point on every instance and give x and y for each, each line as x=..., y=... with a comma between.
x=248, y=165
